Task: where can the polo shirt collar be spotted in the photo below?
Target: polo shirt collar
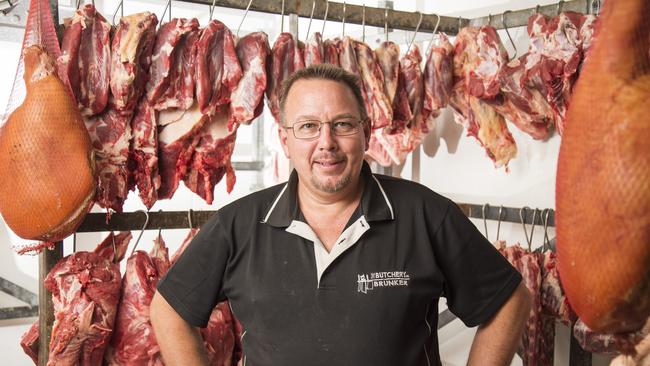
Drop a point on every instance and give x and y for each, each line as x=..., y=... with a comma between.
x=375, y=204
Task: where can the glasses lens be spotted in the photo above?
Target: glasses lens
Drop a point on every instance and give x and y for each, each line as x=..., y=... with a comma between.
x=306, y=129
x=345, y=127
x=311, y=128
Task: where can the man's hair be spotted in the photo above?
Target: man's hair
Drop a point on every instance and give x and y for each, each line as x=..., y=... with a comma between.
x=324, y=72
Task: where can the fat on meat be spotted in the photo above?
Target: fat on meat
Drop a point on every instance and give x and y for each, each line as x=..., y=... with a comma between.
x=314, y=52
x=144, y=153
x=247, y=100
x=85, y=289
x=331, y=51
x=133, y=341
x=610, y=344
x=487, y=56
x=372, y=78
x=285, y=59
x=438, y=79
x=172, y=71
x=85, y=61
x=130, y=59
x=388, y=59
x=217, y=68
x=211, y=158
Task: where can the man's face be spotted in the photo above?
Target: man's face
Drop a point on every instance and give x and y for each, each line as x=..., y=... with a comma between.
x=327, y=163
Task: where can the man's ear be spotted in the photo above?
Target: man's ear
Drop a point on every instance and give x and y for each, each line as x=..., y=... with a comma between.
x=283, y=134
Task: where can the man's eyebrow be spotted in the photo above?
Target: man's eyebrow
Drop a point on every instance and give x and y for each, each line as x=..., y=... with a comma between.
x=312, y=117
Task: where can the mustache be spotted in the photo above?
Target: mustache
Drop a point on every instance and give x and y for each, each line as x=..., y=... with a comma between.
x=329, y=157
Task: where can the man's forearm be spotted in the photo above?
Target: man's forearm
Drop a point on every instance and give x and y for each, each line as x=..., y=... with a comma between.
x=180, y=343
x=496, y=341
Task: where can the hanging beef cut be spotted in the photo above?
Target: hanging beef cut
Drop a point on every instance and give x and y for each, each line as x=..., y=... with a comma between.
x=85, y=289
x=217, y=68
x=286, y=58
x=85, y=61
x=331, y=51
x=602, y=192
x=372, y=78
x=46, y=160
x=438, y=77
x=144, y=153
x=314, y=52
x=388, y=60
x=609, y=344
x=133, y=341
x=247, y=100
x=130, y=59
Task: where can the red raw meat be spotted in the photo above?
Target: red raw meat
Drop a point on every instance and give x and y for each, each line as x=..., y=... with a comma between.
x=331, y=51
x=488, y=56
x=388, y=60
x=144, y=153
x=554, y=300
x=610, y=344
x=372, y=78
x=438, y=79
x=286, y=58
x=247, y=100
x=314, y=52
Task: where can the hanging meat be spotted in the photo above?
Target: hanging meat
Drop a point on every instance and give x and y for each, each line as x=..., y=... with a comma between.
x=372, y=78
x=602, y=193
x=286, y=58
x=480, y=119
x=85, y=289
x=553, y=298
x=133, y=341
x=211, y=159
x=46, y=160
x=85, y=61
x=217, y=68
x=247, y=100
x=314, y=52
x=331, y=51
x=350, y=63
x=130, y=59
x=438, y=79
x=172, y=71
x=605, y=343
x=144, y=153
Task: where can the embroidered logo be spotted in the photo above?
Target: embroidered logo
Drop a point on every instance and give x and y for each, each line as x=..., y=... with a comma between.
x=369, y=281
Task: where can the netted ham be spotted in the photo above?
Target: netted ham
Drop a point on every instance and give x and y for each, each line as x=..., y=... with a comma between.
x=85, y=61
x=133, y=341
x=247, y=100
x=286, y=58
x=314, y=52
x=130, y=59
x=85, y=289
x=171, y=75
x=438, y=77
x=211, y=159
x=144, y=153
x=46, y=160
x=602, y=193
x=217, y=68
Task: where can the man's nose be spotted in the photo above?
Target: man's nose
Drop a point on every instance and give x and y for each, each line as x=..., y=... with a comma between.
x=326, y=139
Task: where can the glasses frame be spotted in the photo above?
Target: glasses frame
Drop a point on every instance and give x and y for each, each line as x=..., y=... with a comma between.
x=361, y=121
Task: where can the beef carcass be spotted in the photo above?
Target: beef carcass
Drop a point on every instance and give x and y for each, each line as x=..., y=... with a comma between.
x=286, y=58
x=211, y=159
x=388, y=59
x=110, y=133
x=414, y=85
x=176, y=143
x=314, y=52
x=331, y=51
x=438, y=79
x=247, y=100
x=130, y=59
x=349, y=62
x=217, y=68
x=85, y=289
x=602, y=195
x=46, y=158
x=171, y=75
x=372, y=78
x=85, y=61
x=144, y=153
x=133, y=341
x=480, y=119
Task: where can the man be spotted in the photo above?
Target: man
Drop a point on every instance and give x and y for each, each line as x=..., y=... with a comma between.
x=339, y=266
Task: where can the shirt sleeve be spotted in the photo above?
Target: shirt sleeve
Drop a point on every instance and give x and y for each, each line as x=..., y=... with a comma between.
x=193, y=285
x=478, y=279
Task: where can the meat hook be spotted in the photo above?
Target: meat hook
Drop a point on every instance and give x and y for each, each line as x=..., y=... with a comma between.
x=486, y=207
x=146, y=222
x=499, y=221
x=189, y=218
x=595, y=7
x=343, y=19
x=120, y=8
x=560, y=5
x=460, y=23
x=522, y=215
x=168, y=5
x=417, y=27
x=546, y=243
x=386, y=22
x=537, y=9
x=503, y=22
x=327, y=9
x=363, y=23
x=433, y=35
x=489, y=19
x=282, y=18
x=311, y=17
x=244, y=17
x=212, y=9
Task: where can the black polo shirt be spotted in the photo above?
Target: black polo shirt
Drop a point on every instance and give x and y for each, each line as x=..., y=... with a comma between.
x=372, y=300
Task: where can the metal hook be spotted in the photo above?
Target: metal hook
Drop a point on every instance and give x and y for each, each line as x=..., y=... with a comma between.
x=74, y=242
x=146, y=222
x=546, y=243
x=532, y=229
x=282, y=18
x=417, y=27
x=327, y=8
x=246, y=13
x=522, y=214
x=433, y=35
x=343, y=18
x=485, y=208
x=503, y=22
x=120, y=6
x=168, y=5
x=189, y=218
x=537, y=9
x=499, y=221
x=386, y=22
x=489, y=19
x=363, y=23
x=460, y=23
x=595, y=7
x=311, y=17
x=560, y=5
x=212, y=9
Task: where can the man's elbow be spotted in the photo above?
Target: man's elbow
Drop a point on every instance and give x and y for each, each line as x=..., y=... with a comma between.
x=524, y=302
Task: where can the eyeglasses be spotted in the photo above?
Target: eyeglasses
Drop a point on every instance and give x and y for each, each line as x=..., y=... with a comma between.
x=309, y=129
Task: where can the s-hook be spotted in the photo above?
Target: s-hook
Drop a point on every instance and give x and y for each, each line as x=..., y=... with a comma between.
x=417, y=27
x=327, y=9
x=503, y=22
x=311, y=17
x=144, y=227
x=246, y=13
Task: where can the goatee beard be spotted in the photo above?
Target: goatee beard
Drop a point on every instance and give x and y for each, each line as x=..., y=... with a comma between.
x=331, y=187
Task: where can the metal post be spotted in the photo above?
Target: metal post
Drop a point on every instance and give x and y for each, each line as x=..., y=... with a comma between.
x=46, y=260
